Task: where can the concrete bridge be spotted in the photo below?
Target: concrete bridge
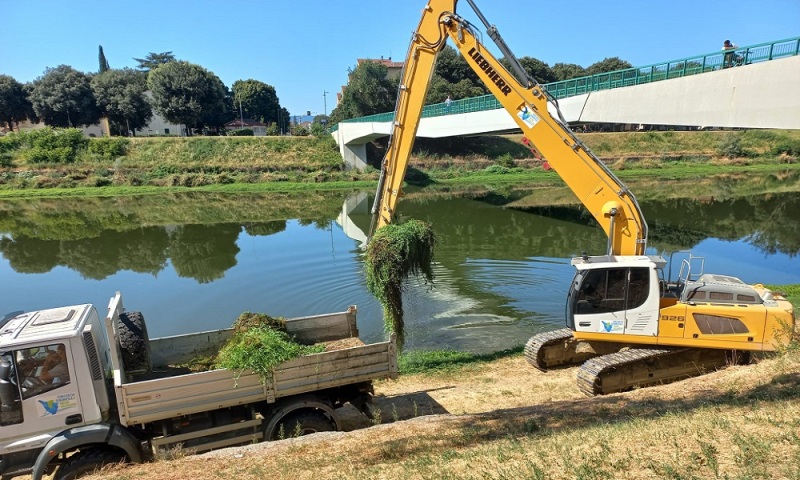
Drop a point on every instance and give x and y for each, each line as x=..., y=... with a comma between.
x=757, y=89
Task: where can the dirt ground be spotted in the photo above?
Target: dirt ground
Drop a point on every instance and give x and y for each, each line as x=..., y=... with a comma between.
x=503, y=384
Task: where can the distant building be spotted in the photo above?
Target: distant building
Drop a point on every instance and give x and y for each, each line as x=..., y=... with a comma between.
x=259, y=129
x=394, y=69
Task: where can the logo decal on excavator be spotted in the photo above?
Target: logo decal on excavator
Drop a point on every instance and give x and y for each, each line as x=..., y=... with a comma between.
x=489, y=71
x=612, y=326
x=526, y=115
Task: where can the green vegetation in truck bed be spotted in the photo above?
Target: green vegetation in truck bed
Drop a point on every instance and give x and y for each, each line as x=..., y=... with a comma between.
x=259, y=344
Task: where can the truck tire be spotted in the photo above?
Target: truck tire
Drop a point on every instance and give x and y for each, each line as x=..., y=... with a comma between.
x=302, y=422
x=85, y=462
x=133, y=342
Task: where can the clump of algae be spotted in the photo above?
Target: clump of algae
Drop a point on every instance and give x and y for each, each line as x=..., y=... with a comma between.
x=394, y=253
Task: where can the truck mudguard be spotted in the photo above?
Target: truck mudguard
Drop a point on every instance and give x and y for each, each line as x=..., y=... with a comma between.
x=307, y=402
x=103, y=434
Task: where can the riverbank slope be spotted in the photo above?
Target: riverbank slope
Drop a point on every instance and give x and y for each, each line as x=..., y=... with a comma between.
x=37, y=164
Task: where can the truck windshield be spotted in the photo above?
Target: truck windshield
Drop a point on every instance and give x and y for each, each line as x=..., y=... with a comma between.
x=42, y=369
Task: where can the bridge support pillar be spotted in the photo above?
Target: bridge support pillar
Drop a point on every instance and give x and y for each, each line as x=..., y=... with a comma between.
x=354, y=155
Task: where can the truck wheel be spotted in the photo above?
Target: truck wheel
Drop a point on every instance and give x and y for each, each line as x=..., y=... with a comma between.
x=133, y=342
x=302, y=422
x=88, y=461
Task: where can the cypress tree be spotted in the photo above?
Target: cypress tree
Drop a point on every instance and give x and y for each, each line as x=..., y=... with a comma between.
x=103, y=62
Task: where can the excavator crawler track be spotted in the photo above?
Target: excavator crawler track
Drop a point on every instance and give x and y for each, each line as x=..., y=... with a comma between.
x=548, y=349
x=560, y=348
x=639, y=367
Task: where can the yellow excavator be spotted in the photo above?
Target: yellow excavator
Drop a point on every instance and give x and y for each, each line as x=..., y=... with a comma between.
x=627, y=324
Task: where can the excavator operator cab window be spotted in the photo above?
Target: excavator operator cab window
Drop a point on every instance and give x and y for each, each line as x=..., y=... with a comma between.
x=606, y=290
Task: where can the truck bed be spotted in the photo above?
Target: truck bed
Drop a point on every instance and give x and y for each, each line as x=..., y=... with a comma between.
x=146, y=401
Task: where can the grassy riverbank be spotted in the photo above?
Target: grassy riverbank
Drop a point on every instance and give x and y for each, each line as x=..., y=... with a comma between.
x=148, y=165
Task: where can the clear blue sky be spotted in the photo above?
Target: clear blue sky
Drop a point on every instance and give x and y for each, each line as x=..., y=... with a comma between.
x=305, y=47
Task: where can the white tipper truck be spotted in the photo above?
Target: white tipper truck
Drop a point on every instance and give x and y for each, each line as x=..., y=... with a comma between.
x=78, y=391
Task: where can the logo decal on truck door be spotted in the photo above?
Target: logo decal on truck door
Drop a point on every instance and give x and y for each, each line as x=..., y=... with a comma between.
x=65, y=401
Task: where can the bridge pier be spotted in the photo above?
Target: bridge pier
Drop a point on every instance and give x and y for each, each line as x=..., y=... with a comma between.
x=354, y=155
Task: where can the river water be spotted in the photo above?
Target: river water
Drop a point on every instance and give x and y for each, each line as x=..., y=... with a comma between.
x=193, y=262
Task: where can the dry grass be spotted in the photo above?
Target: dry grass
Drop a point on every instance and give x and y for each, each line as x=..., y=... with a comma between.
x=505, y=420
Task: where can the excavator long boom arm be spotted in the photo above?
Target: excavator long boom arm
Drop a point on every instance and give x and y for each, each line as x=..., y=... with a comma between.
x=600, y=191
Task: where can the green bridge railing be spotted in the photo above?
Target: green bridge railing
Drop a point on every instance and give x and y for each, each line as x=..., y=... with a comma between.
x=710, y=62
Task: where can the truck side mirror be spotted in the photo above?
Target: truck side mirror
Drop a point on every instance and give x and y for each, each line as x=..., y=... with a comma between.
x=7, y=396
x=5, y=371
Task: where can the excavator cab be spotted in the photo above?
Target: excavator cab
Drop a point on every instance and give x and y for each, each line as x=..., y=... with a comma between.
x=615, y=295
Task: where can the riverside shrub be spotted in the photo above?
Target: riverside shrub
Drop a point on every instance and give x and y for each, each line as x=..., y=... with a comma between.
x=109, y=148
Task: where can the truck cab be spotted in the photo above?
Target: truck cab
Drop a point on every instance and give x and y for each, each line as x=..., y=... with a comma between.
x=51, y=379
x=79, y=391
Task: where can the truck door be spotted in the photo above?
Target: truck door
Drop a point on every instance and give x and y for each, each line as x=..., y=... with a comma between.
x=49, y=388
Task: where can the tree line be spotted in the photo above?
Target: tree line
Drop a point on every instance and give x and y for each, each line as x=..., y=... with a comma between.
x=370, y=91
x=181, y=92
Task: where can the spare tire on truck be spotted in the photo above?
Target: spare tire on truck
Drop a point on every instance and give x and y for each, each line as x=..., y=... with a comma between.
x=133, y=342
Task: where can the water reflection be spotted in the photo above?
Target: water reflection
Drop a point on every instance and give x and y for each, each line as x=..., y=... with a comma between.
x=195, y=261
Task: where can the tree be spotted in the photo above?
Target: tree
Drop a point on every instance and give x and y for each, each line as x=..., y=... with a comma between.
x=217, y=118
x=103, y=62
x=120, y=96
x=607, y=65
x=14, y=104
x=453, y=68
x=319, y=125
x=284, y=121
x=186, y=93
x=453, y=76
x=368, y=91
x=153, y=60
x=535, y=68
x=440, y=88
x=63, y=97
x=565, y=71
x=257, y=99
x=538, y=70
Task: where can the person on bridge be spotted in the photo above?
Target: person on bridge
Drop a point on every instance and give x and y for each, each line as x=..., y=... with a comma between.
x=730, y=56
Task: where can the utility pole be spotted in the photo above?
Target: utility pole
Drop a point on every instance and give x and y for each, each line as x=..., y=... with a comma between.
x=325, y=102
